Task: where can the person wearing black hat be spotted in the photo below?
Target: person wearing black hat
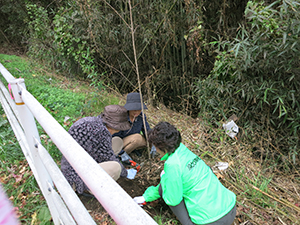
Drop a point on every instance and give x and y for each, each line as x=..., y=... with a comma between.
x=133, y=138
x=94, y=134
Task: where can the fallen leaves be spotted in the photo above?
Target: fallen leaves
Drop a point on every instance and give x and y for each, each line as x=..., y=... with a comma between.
x=219, y=175
x=18, y=177
x=34, y=218
x=4, y=179
x=14, y=177
x=17, y=172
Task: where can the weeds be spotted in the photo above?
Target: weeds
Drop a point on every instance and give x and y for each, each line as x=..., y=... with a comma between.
x=266, y=192
x=16, y=176
x=66, y=103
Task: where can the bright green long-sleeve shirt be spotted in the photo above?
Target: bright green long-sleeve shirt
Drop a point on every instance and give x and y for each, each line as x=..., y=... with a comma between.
x=187, y=177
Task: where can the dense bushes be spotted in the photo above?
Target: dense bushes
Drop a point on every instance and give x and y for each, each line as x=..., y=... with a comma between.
x=256, y=74
x=93, y=38
x=12, y=26
x=206, y=57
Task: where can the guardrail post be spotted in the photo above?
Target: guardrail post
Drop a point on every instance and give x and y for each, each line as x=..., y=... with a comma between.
x=31, y=133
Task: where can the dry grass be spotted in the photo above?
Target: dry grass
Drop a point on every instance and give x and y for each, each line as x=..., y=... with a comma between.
x=265, y=195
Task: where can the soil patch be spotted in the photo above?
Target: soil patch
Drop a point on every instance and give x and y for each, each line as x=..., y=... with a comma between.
x=148, y=175
x=245, y=171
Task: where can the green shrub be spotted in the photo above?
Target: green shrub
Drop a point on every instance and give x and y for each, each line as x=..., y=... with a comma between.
x=59, y=102
x=256, y=74
x=58, y=39
x=12, y=23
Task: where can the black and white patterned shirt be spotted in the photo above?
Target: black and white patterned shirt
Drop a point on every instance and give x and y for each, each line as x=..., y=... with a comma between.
x=93, y=136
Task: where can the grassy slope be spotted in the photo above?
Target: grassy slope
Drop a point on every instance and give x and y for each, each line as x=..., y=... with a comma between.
x=265, y=194
x=63, y=98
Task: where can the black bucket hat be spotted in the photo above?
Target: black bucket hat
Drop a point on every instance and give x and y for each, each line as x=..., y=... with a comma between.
x=115, y=116
x=133, y=102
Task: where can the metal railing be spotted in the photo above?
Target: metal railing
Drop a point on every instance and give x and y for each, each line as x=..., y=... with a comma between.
x=64, y=204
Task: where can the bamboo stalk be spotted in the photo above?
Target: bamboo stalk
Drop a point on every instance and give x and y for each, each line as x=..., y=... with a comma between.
x=161, y=23
x=138, y=75
x=117, y=13
x=4, y=36
x=284, y=203
x=239, y=188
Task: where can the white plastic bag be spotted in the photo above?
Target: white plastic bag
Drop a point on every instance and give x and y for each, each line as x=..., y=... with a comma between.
x=221, y=165
x=231, y=128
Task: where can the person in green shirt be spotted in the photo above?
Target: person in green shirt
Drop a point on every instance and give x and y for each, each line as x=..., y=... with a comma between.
x=188, y=186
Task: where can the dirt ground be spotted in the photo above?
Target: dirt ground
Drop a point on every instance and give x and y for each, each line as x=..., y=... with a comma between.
x=148, y=175
x=150, y=171
x=283, y=188
x=204, y=141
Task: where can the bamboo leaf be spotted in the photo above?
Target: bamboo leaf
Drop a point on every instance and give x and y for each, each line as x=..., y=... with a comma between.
x=265, y=95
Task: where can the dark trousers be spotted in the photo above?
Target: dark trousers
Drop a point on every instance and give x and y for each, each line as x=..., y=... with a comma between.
x=182, y=214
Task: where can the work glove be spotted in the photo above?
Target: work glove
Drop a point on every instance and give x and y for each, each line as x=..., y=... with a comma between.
x=140, y=200
x=125, y=158
x=153, y=151
x=131, y=173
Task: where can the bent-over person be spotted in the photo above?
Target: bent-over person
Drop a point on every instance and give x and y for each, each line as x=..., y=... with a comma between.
x=94, y=135
x=187, y=185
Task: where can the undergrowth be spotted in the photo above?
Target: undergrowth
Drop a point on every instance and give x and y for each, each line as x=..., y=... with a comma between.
x=66, y=101
x=266, y=185
x=267, y=189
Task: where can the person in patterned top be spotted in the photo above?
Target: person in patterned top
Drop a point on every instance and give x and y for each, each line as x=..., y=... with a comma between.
x=94, y=135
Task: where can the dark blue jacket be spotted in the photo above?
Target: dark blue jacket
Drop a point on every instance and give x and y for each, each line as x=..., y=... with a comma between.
x=136, y=127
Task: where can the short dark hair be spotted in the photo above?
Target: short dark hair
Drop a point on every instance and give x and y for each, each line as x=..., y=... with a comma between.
x=165, y=137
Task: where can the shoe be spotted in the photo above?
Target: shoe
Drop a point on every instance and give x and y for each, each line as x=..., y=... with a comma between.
x=87, y=195
x=138, y=152
x=125, y=158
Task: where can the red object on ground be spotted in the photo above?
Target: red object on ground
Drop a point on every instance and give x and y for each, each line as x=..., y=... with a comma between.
x=133, y=163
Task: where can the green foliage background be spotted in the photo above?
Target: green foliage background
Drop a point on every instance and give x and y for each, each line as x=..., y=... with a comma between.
x=208, y=58
x=257, y=77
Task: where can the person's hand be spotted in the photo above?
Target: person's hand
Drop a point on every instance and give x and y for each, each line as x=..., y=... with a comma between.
x=140, y=200
x=153, y=151
x=131, y=173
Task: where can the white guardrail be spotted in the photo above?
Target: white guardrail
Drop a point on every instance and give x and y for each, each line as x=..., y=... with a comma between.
x=63, y=203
